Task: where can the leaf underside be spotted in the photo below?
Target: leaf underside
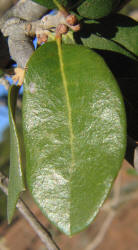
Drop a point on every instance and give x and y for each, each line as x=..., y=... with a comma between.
x=74, y=130
x=16, y=182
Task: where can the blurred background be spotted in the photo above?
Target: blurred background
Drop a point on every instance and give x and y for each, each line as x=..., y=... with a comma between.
x=107, y=232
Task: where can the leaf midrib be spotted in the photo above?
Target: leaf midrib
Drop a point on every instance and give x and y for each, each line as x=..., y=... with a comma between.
x=65, y=84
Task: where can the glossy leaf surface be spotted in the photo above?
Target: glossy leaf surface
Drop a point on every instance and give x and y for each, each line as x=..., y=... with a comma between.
x=16, y=182
x=126, y=73
x=96, y=9
x=74, y=131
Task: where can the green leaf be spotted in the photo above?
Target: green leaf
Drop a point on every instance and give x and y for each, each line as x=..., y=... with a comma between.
x=126, y=32
x=1, y=73
x=122, y=39
x=126, y=73
x=96, y=9
x=16, y=182
x=3, y=205
x=123, y=3
x=119, y=28
x=101, y=43
x=75, y=132
x=54, y=3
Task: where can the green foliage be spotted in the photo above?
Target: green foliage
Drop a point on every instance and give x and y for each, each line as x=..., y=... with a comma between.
x=117, y=33
x=54, y=3
x=74, y=130
x=3, y=205
x=97, y=9
x=123, y=30
x=16, y=182
x=1, y=72
x=74, y=121
x=4, y=154
x=4, y=168
x=133, y=4
x=5, y=161
x=116, y=39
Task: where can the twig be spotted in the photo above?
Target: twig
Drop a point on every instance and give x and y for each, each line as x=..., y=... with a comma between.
x=136, y=158
x=24, y=9
x=32, y=220
x=123, y=199
x=117, y=189
x=98, y=239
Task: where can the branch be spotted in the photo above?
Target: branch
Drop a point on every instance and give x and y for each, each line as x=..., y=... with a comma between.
x=5, y=5
x=32, y=220
x=98, y=239
x=20, y=46
x=23, y=9
x=122, y=200
x=20, y=33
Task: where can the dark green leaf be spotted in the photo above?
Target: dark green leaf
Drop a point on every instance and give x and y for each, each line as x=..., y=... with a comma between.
x=101, y=43
x=16, y=182
x=1, y=72
x=54, y=3
x=123, y=3
x=109, y=34
x=119, y=28
x=133, y=4
x=126, y=32
x=3, y=206
x=126, y=73
x=74, y=131
x=96, y=9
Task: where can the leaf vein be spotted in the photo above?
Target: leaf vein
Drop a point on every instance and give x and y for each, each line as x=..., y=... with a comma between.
x=67, y=99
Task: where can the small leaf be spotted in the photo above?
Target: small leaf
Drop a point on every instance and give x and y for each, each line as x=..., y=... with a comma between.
x=16, y=182
x=68, y=38
x=74, y=131
x=96, y=9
